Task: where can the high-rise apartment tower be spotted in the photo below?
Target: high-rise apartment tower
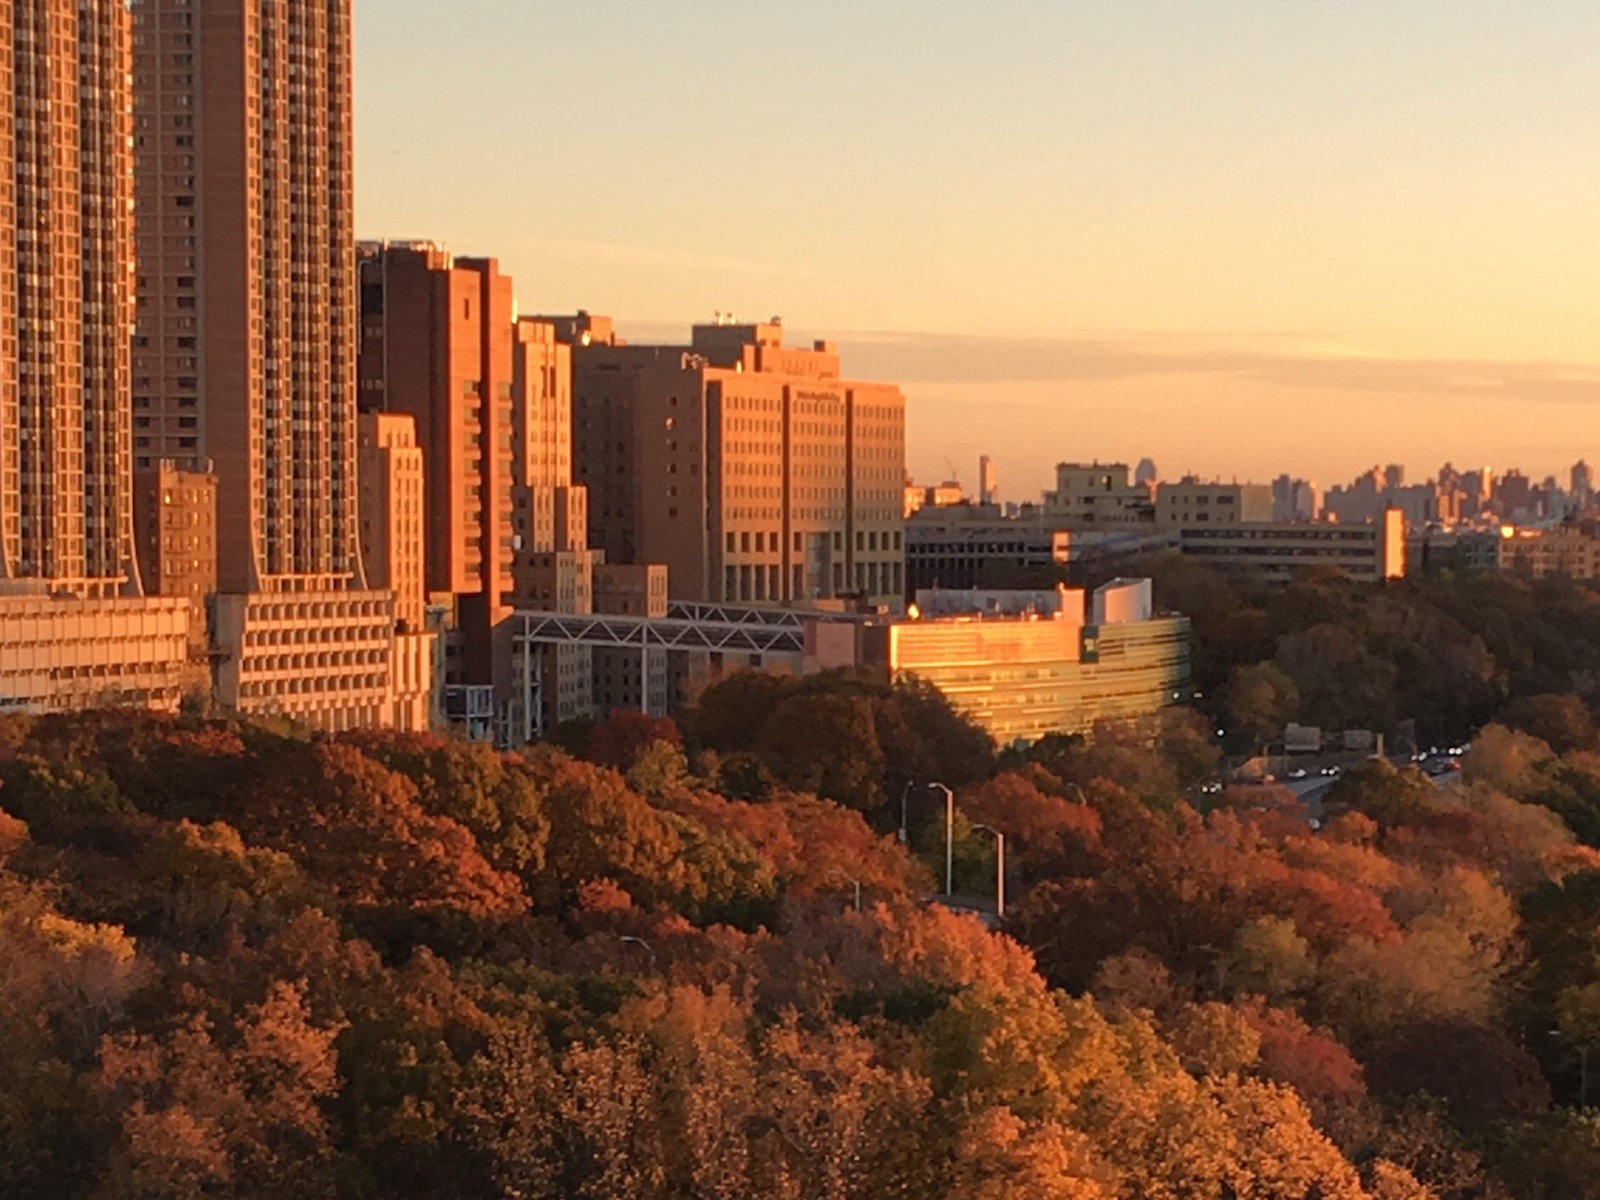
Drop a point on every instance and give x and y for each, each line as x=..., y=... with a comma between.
x=244, y=355
x=245, y=348
x=435, y=345
x=66, y=300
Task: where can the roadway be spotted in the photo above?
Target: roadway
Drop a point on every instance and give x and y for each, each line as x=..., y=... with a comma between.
x=1312, y=790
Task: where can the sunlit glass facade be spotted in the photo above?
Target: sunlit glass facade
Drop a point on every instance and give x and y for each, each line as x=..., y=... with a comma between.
x=1023, y=678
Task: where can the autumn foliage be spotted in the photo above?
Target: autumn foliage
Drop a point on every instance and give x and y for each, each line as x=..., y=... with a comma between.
x=237, y=962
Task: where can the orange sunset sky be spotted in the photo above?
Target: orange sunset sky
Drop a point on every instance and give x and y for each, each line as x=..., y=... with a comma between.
x=1239, y=238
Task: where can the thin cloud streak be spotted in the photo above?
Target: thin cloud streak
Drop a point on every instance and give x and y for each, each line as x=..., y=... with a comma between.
x=912, y=358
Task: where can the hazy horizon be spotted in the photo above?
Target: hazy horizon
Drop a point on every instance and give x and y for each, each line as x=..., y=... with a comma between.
x=1239, y=242
x=954, y=379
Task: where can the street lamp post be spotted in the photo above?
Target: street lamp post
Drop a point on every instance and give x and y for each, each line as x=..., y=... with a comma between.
x=999, y=868
x=627, y=939
x=851, y=879
x=949, y=838
x=905, y=834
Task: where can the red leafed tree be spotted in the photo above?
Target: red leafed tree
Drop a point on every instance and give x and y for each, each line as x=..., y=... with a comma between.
x=619, y=740
x=1043, y=832
x=1311, y=1061
x=812, y=844
x=356, y=827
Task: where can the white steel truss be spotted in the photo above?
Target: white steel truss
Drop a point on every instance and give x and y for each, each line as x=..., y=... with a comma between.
x=749, y=636
x=738, y=614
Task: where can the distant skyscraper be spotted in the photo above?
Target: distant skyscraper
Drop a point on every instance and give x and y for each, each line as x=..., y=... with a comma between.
x=1582, y=483
x=1145, y=474
x=988, y=493
x=245, y=347
x=1513, y=495
x=1293, y=499
x=1478, y=488
x=66, y=300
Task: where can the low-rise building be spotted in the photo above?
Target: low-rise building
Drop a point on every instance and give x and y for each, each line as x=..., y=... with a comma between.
x=329, y=659
x=175, y=537
x=70, y=652
x=1097, y=494
x=1278, y=551
x=973, y=545
x=414, y=699
x=1058, y=665
x=1569, y=550
x=1431, y=549
x=1192, y=502
x=941, y=495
